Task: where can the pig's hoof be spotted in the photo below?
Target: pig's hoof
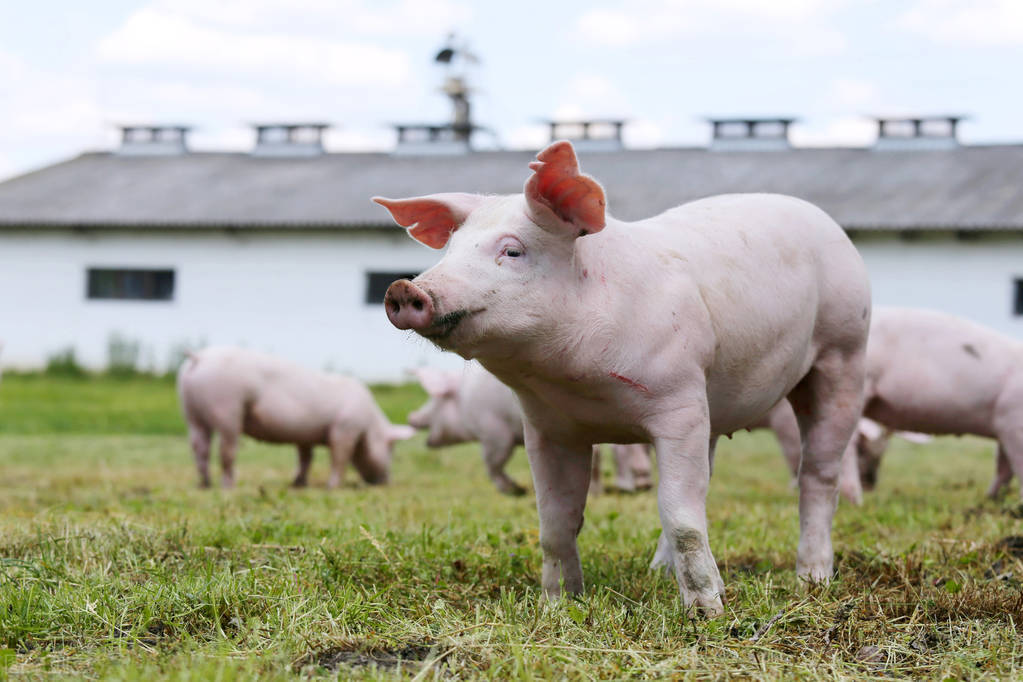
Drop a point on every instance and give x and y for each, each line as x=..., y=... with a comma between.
x=852, y=494
x=709, y=605
x=511, y=488
x=298, y=484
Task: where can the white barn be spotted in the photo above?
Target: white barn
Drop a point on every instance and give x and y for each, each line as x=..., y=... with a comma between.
x=281, y=249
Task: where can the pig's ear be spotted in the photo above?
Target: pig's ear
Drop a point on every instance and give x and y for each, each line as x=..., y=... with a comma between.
x=556, y=186
x=432, y=219
x=437, y=383
x=397, y=432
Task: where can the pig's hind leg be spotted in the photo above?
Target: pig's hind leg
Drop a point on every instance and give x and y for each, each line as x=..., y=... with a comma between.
x=827, y=403
x=305, y=458
x=199, y=437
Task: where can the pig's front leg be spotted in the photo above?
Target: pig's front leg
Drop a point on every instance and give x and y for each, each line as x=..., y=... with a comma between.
x=342, y=442
x=498, y=447
x=684, y=467
x=561, y=479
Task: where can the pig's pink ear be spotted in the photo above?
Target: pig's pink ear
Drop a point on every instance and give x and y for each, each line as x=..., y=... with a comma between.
x=432, y=219
x=437, y=383
x=557, y=186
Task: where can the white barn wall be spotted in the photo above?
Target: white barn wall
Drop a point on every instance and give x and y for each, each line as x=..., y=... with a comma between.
x=972, y=278
x=300, y=295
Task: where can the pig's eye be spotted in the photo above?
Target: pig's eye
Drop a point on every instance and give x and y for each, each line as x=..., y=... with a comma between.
x=512, y=251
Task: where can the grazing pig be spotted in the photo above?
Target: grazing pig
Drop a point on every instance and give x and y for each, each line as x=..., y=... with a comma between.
x=670, y=330
x=231, y=391
x=935, y=373
x=474, y=405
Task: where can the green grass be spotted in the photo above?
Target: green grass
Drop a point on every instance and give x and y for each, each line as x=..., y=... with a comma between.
x=113, y=565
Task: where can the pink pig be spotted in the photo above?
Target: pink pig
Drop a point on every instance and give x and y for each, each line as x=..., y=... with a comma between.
x=670, y=330
x=473, y=405
x=935, y=373
x=230, y=391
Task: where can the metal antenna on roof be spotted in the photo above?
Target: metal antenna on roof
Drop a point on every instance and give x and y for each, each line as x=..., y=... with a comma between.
x=456, y=58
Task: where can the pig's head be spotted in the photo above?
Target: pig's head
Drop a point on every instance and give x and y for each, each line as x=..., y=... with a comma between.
x=871, y=443
x=373, y=452
x=509, y=266
x=440, y=415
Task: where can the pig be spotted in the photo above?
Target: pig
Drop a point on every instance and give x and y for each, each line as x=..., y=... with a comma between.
x=935, y=373
x=474, y=405
x=671, y=330
x=230, y=391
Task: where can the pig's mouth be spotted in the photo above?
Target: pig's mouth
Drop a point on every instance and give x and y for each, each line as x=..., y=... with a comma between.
x=444, y=325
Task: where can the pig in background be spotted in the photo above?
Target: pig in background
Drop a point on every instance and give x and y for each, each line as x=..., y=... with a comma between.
x=473, y=405
x=230, y=391
x=670, y=330
x=934, y=373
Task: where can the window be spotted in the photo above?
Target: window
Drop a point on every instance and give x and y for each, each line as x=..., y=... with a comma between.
x=129, y=285
x=1017, y=304
x=377, y=283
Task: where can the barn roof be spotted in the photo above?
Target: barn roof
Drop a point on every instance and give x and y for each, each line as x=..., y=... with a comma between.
x=965, y=188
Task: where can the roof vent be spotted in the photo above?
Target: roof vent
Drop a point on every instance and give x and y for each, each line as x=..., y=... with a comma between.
x=289, y=139
x=917, y=132
x=590, y=135
x=427, y=139
x=751, y=134
x=153, y=140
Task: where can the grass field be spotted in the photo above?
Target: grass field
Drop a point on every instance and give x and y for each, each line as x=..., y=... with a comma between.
x=114, y=565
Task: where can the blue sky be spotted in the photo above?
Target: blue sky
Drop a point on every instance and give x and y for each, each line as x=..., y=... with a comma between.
x=69, y=70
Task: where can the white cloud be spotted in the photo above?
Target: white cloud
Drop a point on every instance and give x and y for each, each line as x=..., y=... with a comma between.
x=966, y=22
x=801, y=26
x=155, y=37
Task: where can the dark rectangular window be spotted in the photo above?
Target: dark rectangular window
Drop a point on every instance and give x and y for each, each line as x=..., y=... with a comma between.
x=124, y=284
x=1017, y=303
x=377, y=283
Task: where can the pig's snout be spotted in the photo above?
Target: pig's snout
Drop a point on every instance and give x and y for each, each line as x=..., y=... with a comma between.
x=408, y=306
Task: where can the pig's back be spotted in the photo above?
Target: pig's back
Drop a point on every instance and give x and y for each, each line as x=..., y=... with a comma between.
x=936, y=373
x=780, y=280
x=275, y=399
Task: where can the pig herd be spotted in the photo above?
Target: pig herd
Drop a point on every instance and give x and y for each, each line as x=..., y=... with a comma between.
x=727, y=313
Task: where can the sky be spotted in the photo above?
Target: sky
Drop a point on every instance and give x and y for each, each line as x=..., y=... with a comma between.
x=71, y=71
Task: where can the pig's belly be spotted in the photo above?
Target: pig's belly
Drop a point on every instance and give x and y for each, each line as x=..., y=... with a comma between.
x=935, y=417
x=284, y=424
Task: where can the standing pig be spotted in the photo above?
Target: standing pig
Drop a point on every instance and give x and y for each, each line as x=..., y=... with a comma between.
x=939, y=374
x=231, y=391
x=671, y=330
x=474, y=405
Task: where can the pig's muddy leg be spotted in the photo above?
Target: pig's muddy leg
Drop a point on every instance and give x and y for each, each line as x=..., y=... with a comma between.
x=1003, y=474
x=827, y=405
x=228, y=448
x=561, y=478
x=342, y=444
x=305, y=458
x=684, y=466
x=496, y=453
x=199, y=437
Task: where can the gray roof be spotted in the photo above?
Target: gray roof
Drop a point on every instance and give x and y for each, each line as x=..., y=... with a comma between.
x=967, y=188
